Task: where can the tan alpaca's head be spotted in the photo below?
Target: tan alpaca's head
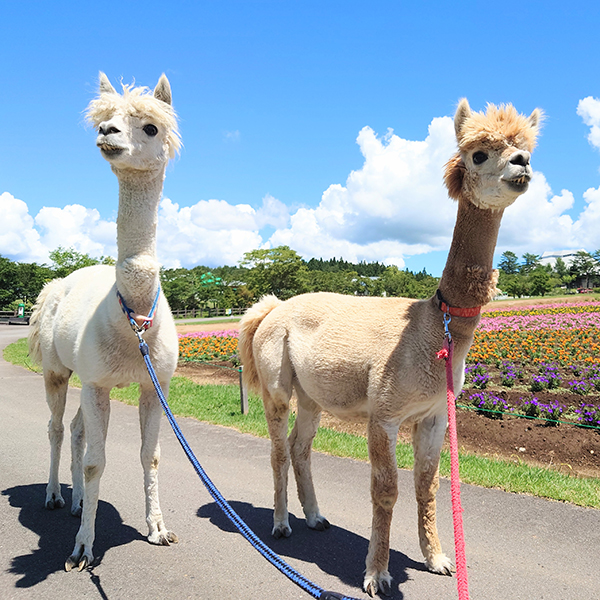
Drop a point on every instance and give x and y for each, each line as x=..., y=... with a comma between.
x=491, y=168
x=137, y=130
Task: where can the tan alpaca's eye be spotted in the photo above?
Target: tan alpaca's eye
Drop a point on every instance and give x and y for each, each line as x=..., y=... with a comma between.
x=479, y=158
x=150, y=130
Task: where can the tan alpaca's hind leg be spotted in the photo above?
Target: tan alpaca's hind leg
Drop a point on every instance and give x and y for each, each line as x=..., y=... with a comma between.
x=428, y=437
x=300, y=443
x=95, y=408
x=384, y=493
x=56, y=383
x=150, y=414
x=277, y=411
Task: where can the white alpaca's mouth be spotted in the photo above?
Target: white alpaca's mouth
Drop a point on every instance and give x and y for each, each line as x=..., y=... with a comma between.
x=109, y=150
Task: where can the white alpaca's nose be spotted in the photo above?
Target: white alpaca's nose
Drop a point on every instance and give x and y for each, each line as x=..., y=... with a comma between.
x=107, y=128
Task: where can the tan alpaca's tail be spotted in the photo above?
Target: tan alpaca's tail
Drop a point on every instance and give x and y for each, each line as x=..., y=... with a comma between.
x=248, y=325
x=33, y=339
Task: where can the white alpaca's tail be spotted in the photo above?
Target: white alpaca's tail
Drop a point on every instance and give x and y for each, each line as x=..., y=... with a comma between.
x=248, y=325
x=33, y=339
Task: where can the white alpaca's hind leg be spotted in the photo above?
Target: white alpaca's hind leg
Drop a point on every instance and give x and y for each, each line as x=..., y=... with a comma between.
x=300, y=442
x=428, y=437
x=56, y=383
x=95, y=407
x=77, y=448
x=150, y=414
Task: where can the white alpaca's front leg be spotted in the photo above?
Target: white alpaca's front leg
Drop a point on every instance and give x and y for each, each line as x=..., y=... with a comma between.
x=77, y=448
x=150, y=415
x=95, y=408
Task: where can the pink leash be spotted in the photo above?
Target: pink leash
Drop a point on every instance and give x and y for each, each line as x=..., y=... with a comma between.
x=459, y=536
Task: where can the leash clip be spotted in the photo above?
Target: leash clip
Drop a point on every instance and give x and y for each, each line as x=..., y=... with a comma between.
x=447, y=320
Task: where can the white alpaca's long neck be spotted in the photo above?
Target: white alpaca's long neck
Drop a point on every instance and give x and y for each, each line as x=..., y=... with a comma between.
x=137, y=269
x=468, y=278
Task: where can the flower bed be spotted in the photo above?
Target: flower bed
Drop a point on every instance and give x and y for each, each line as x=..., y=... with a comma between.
x=208, y=345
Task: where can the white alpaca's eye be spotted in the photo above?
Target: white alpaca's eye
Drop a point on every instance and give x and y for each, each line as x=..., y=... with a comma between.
x=150, y=130
x=479, y=157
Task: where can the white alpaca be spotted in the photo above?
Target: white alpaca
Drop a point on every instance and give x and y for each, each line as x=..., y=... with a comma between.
x=78, y=325
x=374, y=359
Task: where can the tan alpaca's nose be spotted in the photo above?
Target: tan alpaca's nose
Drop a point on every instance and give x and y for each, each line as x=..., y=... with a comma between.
x=521, y=158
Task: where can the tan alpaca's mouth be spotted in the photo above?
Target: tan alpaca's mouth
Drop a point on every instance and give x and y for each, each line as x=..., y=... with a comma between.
x=519, y=184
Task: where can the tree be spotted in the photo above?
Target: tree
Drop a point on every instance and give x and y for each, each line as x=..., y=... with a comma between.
x=67, y=260
x=540, y=282
x=280, y=271
x=516, y=286
x=530, y=263
x=584, y=267
x=509, y=263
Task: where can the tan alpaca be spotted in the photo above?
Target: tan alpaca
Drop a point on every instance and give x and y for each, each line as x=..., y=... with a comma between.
x=374, y=359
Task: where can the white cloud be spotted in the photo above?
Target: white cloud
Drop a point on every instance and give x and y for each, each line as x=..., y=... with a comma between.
x=589, y=110
x=18, y=238
x=393, y=207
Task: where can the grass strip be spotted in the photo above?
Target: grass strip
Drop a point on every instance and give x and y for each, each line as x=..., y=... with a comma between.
x=220, y=405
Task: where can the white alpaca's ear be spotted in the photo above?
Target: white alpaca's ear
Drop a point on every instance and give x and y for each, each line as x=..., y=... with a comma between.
x=463, y=112
x=105, y=85
x=162, y=91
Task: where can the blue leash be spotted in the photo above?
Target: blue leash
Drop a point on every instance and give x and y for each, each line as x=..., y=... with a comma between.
x=307, y=585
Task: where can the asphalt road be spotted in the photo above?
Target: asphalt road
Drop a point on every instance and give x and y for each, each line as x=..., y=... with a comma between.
x=518, y=547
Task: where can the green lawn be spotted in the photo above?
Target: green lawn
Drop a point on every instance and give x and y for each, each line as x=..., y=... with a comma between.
x=220, y=404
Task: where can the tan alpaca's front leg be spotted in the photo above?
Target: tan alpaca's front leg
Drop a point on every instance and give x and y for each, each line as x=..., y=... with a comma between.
x=56, y=384
x=384, y=492
x=300, y=442
x=277, y=414
x=95, y=407
x=428, y=437
x=150, y=415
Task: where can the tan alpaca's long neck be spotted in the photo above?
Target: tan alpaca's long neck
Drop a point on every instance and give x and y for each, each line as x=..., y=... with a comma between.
x=468, y=278
x=137, y=269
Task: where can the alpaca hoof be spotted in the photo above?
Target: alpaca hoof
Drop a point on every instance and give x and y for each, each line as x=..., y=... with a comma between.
x=76, y=509
x=81, y=560
x=163, y=538
x=440, y=564
x=321, y=524
x=55, y=502
x=381, y=582
x=282, y=531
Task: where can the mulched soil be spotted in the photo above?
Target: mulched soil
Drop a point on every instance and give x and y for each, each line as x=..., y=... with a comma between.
x=571, y=449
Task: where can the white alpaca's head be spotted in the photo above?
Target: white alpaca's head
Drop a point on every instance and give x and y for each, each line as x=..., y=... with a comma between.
x=136, y=130
x=491, y=169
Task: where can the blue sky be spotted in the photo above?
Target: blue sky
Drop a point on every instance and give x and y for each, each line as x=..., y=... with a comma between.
x=322, y=125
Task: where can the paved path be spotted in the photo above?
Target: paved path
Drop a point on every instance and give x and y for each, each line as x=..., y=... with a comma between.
x=518, y=547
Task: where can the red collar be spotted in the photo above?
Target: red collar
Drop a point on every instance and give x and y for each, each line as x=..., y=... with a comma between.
x=456, y=312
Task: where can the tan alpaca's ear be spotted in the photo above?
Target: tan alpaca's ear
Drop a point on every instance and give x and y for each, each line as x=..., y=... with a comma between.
x=463, y=112
x=105, y=85
x=453, y=176
x=535, y=120
x=162, y=91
